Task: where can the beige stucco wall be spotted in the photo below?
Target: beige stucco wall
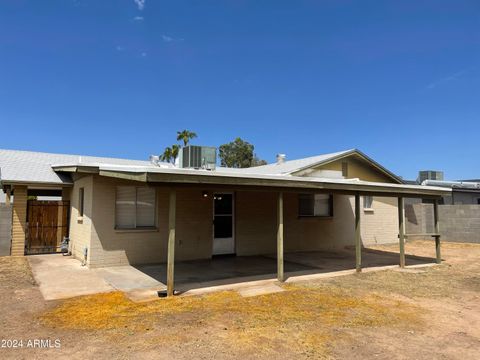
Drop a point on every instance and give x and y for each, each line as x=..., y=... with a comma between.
x=357, y=168
x=256, y=220
x=81, y=228
x=380, y=224
x=111, y=247
x=255, y=225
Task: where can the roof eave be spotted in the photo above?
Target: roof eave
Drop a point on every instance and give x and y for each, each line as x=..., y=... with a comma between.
x=285, y=183
x=4, y=182
x=76, y=169
x=177, y=176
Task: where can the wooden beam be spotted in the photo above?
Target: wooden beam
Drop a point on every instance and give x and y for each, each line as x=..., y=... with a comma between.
x=276, y=189
x=401, y=230
x=171, y=242
x=8, y=196
x=420, y=234
x=437, y=231
x=197, y=177
x=358, y=240
x=140, y=177
x=280, y=269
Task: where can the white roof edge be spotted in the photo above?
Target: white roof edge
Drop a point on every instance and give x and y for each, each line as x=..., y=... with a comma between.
x=245, y=175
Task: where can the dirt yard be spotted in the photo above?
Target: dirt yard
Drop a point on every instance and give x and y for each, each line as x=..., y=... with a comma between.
x=428, y=313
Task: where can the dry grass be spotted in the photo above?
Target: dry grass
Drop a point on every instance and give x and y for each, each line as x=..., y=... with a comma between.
x=300, y=318
x=361, y=316
x=15, y=272
x=459, y=273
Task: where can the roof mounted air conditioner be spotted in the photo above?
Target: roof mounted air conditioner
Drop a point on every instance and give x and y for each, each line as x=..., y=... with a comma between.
x=198, y=157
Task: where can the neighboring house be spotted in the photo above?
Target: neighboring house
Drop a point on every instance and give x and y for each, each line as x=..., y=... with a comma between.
x=463, y=192
x=119, y=212
x=459, y=211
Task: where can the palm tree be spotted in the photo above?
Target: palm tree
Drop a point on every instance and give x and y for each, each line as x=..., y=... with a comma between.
x=170, y=153
x=175, y=150
x=167, y=154
x=185, y=136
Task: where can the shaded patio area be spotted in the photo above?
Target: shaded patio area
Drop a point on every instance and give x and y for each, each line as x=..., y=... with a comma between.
x=230, y=270
x=54, y=272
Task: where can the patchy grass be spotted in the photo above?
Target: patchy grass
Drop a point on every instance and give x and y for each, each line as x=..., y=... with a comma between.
x=459, y=274
x=360, y=316
x=300, y=318
x=431, y=282
x=15, y=272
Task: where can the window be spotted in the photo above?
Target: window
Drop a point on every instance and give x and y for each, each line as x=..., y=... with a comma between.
x=345, y=169
x=478, y=201
x=320, y=205
x=367, y=202
x=81, y=201
x=135, y=207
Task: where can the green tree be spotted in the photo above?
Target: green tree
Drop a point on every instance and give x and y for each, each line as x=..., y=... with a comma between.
x=185, y=136
x=170, y=153
x=236, y=154
x=175, y=150
x=167, y=154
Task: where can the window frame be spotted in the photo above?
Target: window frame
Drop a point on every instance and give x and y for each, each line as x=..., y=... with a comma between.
x=154, y=227
x=81, y=202
x=367, y=208
x=313, y=216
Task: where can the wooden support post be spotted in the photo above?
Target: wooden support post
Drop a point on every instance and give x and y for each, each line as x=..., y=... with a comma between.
x=280, y=270
x=171, y=242
x=437, y=232
x=8, y=196
x=401, y=231
x=358, y=241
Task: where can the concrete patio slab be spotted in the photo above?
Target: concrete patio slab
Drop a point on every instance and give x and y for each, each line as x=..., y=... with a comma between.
x=127, y=278
x=61, y=277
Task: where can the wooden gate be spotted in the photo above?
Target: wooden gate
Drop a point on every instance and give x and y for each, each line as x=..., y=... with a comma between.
x=47, y=224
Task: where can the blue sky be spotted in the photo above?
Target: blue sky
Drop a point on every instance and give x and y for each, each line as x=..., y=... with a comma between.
x=400, y=80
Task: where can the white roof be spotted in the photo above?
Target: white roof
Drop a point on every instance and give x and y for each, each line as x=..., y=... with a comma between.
x=44, y=168
x=290, y=166
x=36, y=167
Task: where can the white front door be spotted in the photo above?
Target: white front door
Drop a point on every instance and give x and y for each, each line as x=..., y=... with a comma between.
x=223, y=224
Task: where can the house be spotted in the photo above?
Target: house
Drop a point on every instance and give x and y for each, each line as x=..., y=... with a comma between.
x=118, y=211
x=459, y=210
x=464, y=192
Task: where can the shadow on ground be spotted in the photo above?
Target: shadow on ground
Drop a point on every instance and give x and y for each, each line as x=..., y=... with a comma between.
x=222, y=270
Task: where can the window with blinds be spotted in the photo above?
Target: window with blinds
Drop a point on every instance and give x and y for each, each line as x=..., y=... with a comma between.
x=135, y=207
x=367, y=202
x=320, y=205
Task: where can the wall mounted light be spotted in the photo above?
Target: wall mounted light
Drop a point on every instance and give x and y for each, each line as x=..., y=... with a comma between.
x=205, y=194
